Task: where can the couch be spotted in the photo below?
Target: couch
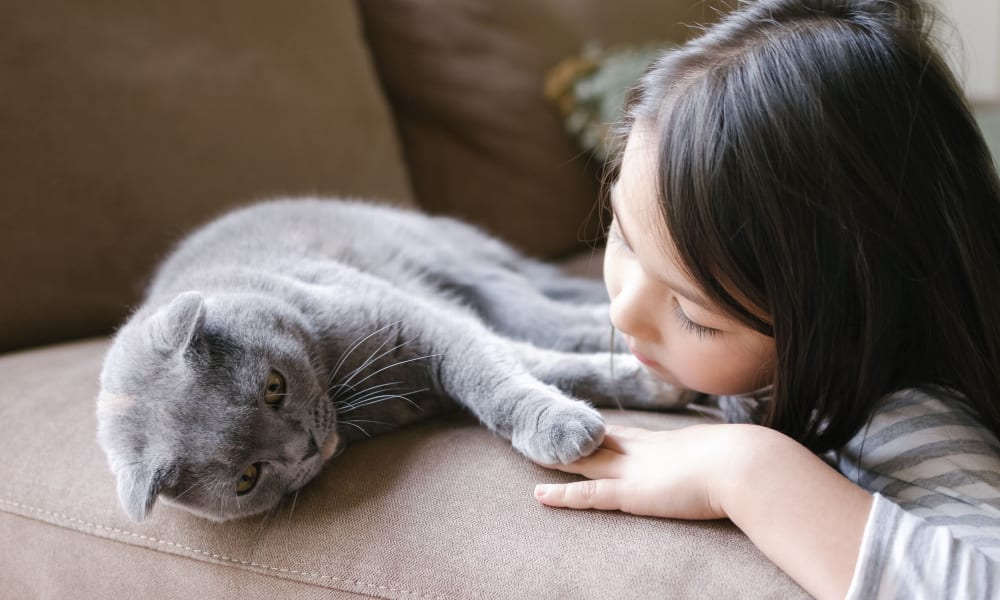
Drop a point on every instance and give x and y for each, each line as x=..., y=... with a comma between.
x=126, y=124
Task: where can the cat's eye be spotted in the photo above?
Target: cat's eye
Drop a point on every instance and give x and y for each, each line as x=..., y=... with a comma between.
x=274, y=389
x=248, y=479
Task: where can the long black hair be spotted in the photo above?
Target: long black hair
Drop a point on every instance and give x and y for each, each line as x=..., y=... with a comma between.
x=819, y=164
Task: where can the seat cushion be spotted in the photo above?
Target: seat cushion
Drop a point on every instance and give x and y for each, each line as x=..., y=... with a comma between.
x=126, y=124
x=442, y=509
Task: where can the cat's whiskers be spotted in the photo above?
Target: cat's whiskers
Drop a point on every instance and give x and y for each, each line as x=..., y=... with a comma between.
x=368, y=401
x=263, y=524
x=354, y=346
x=354, y=423
x=366, y=421
x=365, y=394
x=357, y=427
x=189, y=488
x=209, y=487
x=399, y=363
x=295, y=498
x=367, y=363
x=369, y=390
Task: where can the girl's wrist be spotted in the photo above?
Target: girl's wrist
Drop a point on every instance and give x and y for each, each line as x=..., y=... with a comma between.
x=749, y=456
x=801, y=513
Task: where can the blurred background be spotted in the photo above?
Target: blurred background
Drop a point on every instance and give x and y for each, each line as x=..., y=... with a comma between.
x=971, y=34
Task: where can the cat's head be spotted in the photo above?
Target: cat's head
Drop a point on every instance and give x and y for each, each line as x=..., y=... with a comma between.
x=214, y=404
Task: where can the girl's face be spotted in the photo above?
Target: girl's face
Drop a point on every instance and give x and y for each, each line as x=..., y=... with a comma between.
x=666, y=318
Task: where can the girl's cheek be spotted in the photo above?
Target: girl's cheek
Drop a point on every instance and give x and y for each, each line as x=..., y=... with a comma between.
x=611, y=274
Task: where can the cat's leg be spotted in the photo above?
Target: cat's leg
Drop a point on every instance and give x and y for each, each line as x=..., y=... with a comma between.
x=482, y=372
x=452, y=354
x=555, y=283
x=523, y=298
x=604, y=379
x=511, y=305
x=484, y=252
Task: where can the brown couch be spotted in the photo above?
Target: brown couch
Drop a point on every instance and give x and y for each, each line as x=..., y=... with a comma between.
x=125, y=124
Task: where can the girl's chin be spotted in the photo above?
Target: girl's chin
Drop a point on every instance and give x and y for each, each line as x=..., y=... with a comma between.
x=660, y=373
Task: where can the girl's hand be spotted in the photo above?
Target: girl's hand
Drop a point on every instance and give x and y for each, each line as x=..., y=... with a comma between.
x=677, y=474
x=804, y=515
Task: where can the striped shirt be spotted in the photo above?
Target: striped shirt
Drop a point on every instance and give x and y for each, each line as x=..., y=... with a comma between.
x=934, y=527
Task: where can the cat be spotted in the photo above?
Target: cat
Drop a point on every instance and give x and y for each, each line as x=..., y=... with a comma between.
x=275, y=335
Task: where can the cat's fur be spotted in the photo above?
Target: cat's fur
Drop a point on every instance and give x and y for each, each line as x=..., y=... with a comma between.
x=375, y=317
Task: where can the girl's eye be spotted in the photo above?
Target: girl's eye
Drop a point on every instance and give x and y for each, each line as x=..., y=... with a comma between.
x=615, y=236
x=274, y=389
x=248, y=479
x=700, y=330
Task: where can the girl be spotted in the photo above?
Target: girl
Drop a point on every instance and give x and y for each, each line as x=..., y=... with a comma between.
x=807, y=221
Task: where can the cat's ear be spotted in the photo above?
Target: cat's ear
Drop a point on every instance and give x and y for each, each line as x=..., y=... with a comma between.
x=138, y=487
x=174, y=327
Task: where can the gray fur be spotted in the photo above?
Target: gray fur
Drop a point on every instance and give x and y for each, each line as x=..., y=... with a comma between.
x=375, y=317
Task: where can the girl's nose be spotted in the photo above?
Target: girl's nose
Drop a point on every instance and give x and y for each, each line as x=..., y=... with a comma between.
x=631, y=312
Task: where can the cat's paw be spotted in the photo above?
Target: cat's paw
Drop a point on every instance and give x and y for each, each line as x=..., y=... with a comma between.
x=560, y=432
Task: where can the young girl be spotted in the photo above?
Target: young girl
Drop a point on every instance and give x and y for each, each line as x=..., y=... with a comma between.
x=807, y=218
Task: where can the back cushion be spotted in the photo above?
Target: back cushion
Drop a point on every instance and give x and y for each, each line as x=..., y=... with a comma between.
x=466, y=78
x=125, y=124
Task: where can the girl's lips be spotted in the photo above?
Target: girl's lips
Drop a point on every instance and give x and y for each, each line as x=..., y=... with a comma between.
x=655, y=369
x=641, y=358
x=645, y=360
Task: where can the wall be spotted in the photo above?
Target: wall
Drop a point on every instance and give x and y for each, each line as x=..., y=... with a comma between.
x=972, y=34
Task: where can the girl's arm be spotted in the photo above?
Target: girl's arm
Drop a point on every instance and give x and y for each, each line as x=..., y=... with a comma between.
x=805, y=516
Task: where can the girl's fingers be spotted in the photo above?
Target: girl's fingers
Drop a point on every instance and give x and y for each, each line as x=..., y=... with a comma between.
x=613, y=442
x=601, y=464
x=621, y=439
x=602, y=494
x=624, y=431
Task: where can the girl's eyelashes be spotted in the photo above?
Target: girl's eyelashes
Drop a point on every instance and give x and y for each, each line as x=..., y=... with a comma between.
x=700, y=330
x=615, y=236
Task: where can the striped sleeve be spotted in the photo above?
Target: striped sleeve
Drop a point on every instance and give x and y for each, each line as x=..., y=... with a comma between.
x=934, y=528
x=903, y=556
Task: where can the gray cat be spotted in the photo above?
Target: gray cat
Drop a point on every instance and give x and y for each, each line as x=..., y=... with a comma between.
x=275, y=335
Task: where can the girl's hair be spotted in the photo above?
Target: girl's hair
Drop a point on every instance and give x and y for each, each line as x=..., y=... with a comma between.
x=818, y=163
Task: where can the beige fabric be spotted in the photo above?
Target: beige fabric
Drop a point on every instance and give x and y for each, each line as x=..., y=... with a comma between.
x=126, y=123
x=439, y=510
x=465, y=78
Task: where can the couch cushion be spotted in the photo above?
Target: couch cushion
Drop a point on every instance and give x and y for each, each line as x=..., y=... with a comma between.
x=124, y=124
x=466, y=78
x=443, y=509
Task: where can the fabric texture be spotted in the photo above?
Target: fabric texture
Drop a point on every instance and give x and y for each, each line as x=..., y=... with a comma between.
x=126, y=124
x=443, y=509
x=466, y=81
x=934, y=529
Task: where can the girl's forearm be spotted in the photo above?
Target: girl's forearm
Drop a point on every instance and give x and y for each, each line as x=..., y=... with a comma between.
x=805, y=516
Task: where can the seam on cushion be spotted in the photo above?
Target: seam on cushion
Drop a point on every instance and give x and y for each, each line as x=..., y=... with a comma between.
x=206, y=553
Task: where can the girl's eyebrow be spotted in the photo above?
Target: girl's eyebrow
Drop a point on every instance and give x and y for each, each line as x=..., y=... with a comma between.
x=680, y=290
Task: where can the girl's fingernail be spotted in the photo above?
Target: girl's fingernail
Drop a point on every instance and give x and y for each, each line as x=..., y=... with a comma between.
x=541, y=490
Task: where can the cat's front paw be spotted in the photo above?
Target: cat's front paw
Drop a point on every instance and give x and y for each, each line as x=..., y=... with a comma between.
x=560, y=432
